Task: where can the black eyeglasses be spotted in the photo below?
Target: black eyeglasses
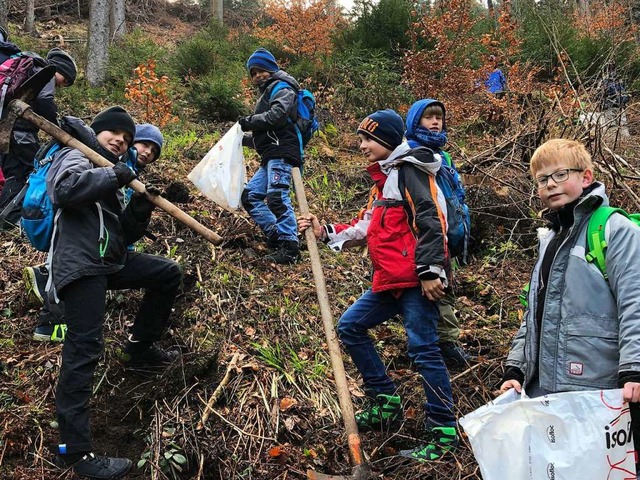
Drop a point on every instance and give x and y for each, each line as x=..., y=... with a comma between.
x=558, y=176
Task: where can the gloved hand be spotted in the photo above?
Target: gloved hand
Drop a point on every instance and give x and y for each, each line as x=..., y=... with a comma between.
x=123, y=173
x=140, y=205
x=152, y=189
x=244, y=121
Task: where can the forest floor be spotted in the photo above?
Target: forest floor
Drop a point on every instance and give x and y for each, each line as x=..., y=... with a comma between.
x=236, y=313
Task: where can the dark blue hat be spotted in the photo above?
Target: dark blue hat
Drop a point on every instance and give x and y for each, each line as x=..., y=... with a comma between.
x=385, y=127
x=145, y=132
x=264, y=60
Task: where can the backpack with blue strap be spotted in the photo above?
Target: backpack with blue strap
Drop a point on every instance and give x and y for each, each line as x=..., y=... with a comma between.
x=458, y=218
x=305, y=122
x=38, y=213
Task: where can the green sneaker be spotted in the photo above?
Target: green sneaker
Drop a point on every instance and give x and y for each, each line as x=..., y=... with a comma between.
x=50, y=333
x=384, y=411
x=35, y=281
x=440, y=440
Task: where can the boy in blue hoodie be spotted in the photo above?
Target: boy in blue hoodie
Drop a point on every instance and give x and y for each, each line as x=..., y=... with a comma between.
x=266, y=196
x=426, y=127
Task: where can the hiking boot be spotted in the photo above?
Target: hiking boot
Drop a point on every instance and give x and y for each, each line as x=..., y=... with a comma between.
x=35, y=281
x=288, y=252
x=94, y=466
x=454, y=355
x=383, y=412
x=50, y=333
x=439, y=440
x=273, y=243
x=142, y=355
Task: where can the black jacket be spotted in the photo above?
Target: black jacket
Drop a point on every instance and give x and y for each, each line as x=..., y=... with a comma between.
x=274, y=134
x=93, y=228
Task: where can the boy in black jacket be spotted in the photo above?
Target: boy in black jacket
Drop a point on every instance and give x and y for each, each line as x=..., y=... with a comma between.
x=24, y=144
x=275, y=139
x=90, y=257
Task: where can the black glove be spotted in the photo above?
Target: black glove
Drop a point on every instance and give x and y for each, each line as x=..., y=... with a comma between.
x=152, y=189
x=244, y=121
x=140, y=205
x=123, y=173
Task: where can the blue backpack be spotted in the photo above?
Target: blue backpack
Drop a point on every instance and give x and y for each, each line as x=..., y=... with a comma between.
x=306, y=124
x=38, y=212
x=458, y=218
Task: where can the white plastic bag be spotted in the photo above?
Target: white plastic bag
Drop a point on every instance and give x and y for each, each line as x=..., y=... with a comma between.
x=221, y=174
x=564, y=436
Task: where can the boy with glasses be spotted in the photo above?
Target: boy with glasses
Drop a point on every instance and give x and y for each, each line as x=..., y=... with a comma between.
x=581, y=331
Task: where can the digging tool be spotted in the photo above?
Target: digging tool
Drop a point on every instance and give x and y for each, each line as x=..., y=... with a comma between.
x=360, y=470
x=18, y=108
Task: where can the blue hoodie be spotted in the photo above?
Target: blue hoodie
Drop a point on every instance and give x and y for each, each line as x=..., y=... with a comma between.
x=418, y=136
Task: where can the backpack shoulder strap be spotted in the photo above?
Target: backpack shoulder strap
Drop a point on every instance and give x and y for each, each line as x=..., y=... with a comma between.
x=279, y=86
x=447, y=159
x=596, y=242
x=409, y=206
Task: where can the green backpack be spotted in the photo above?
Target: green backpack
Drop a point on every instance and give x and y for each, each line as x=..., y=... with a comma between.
x=596, y=243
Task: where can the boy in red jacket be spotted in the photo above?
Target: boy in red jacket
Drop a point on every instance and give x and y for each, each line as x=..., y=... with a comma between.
x=411, y=269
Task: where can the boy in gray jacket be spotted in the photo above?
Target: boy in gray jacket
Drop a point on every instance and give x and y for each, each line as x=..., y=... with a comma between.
x=580, y=331
x=273, y=135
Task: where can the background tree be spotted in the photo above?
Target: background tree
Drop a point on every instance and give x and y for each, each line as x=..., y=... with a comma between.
x=118, y=19
x=30, y=18
x=98, y=42
x=4, y=13
x=301, y=28
x=217, y=8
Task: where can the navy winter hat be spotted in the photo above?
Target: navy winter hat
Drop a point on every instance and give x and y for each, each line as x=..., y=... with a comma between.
x=114, y=118
x=64, y=63
x=145, y=132
x=385, y=127
x=264, y=60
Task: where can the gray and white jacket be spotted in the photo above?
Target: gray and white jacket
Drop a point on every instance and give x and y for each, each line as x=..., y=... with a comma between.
x=590, y=327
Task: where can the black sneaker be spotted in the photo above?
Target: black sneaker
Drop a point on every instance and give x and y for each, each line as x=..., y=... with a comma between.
x=287, y=253
x=93, y=466
x=50, y=333
x=35, y=281
x=454, y=355
x=141, y=356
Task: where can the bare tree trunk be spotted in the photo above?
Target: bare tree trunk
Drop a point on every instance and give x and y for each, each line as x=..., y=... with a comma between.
x=98, y=42
x=217, y=10
x=118, y=18
x=491, y=9
x=30, y=20
x=4, y=14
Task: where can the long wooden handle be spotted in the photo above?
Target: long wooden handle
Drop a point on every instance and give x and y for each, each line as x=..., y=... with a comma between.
x=344, y=397
x=23, y=110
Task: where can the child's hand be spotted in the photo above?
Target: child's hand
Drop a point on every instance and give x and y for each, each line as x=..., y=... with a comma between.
x=310, y=220
x=631, y=392
x=432, y=289
x=513, y=384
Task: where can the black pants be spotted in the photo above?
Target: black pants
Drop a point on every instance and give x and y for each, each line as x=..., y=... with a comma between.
x=16, y=167
x=84, y=311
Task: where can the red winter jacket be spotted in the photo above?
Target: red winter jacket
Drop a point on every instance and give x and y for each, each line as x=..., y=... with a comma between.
x=390, y=238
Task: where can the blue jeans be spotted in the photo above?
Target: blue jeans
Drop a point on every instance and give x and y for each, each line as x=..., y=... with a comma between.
x=420, y=318
x=275, y=217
